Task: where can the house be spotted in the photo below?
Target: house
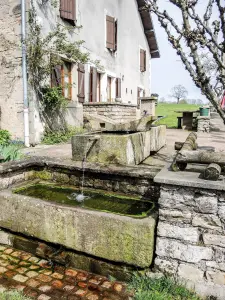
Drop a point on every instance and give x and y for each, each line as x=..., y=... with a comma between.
x=116, y=34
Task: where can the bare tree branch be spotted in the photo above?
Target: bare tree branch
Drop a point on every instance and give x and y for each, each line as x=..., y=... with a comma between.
x=222, y=20
x=197, y=32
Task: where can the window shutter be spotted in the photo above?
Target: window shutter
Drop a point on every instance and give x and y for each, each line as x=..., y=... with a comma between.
x=93, y=84
x=56, y=76
x=111, y=33
x=68, y=10
x=142, y=60
x=81, y=90
x=115, y=35
x=118, y=88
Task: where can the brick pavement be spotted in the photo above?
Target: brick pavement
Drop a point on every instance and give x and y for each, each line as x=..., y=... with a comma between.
x=36, y=278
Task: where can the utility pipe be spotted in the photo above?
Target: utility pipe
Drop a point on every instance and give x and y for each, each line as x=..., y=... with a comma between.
x=24, y=71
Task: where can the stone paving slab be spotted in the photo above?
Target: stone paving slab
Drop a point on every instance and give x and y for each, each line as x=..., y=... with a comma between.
x=39, y=280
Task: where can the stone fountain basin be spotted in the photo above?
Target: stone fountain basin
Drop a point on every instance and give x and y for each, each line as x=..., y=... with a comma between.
x=103, y=235
x=118, y=147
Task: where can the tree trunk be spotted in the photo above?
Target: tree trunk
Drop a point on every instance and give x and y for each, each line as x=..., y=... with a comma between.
x=201, y=157
x=212, y=172
x=189, y=144
x=178, y=146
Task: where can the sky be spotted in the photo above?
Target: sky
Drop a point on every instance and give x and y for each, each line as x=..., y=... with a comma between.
x=168, y=70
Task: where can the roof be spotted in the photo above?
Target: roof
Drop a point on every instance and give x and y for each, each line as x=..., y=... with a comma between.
x=149, y=30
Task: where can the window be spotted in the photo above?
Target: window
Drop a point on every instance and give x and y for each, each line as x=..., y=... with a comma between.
x=61, y=76
x=81, y=86
x=118, y=88
x=111, y=33
x=68, y=10
x=142, y=60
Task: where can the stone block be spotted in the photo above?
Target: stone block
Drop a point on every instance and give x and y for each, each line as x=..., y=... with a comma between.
x=221, y=212
x=209, y=289
x=177, y=250
x=74, y=180
x=219, y=254
x=61, y=178
x=214, y=240
x=166, y=266
x=216, y=277
x=126, y=149
x=189, y=234
x=5, y=182
x=222, y=198
x=207, y=204
x=207, y=221
x=104, y=235
x=216, y=265
x=5, y=238
x=102, y=184
x=28, y=175
x=177, y=200
x=190, y=272
x=158, y=137
x=88, y=182
x=175, y=216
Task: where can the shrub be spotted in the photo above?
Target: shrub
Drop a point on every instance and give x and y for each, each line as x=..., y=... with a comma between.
x=13, y=295
x=53, y=98
x=60, y=136
x=5, y=137
x=10, y=152
x=163, y=288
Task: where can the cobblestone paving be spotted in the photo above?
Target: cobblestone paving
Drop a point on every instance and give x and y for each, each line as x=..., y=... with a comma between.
x=32, y=275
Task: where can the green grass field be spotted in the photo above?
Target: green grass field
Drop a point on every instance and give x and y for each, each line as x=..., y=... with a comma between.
x=168, y=110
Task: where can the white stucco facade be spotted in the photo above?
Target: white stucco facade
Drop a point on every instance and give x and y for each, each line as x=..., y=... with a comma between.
x=91, y=27
x=125, y=62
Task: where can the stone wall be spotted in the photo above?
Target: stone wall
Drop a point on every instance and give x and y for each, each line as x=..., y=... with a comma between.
x=11, y=90
x=191, y=237
x=120, y=112
x=203, y=124
x=122, y=179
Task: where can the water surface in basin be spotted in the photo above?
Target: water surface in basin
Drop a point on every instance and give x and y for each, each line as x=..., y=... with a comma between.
x=94, y=199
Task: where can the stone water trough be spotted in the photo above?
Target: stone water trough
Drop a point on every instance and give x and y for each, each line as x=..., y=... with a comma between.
x=124, y=143
x=90, y=239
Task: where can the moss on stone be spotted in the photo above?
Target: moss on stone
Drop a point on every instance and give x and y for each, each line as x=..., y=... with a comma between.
x=44, y=175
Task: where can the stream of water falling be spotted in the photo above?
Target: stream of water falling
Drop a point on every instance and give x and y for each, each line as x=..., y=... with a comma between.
x=81, y=197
